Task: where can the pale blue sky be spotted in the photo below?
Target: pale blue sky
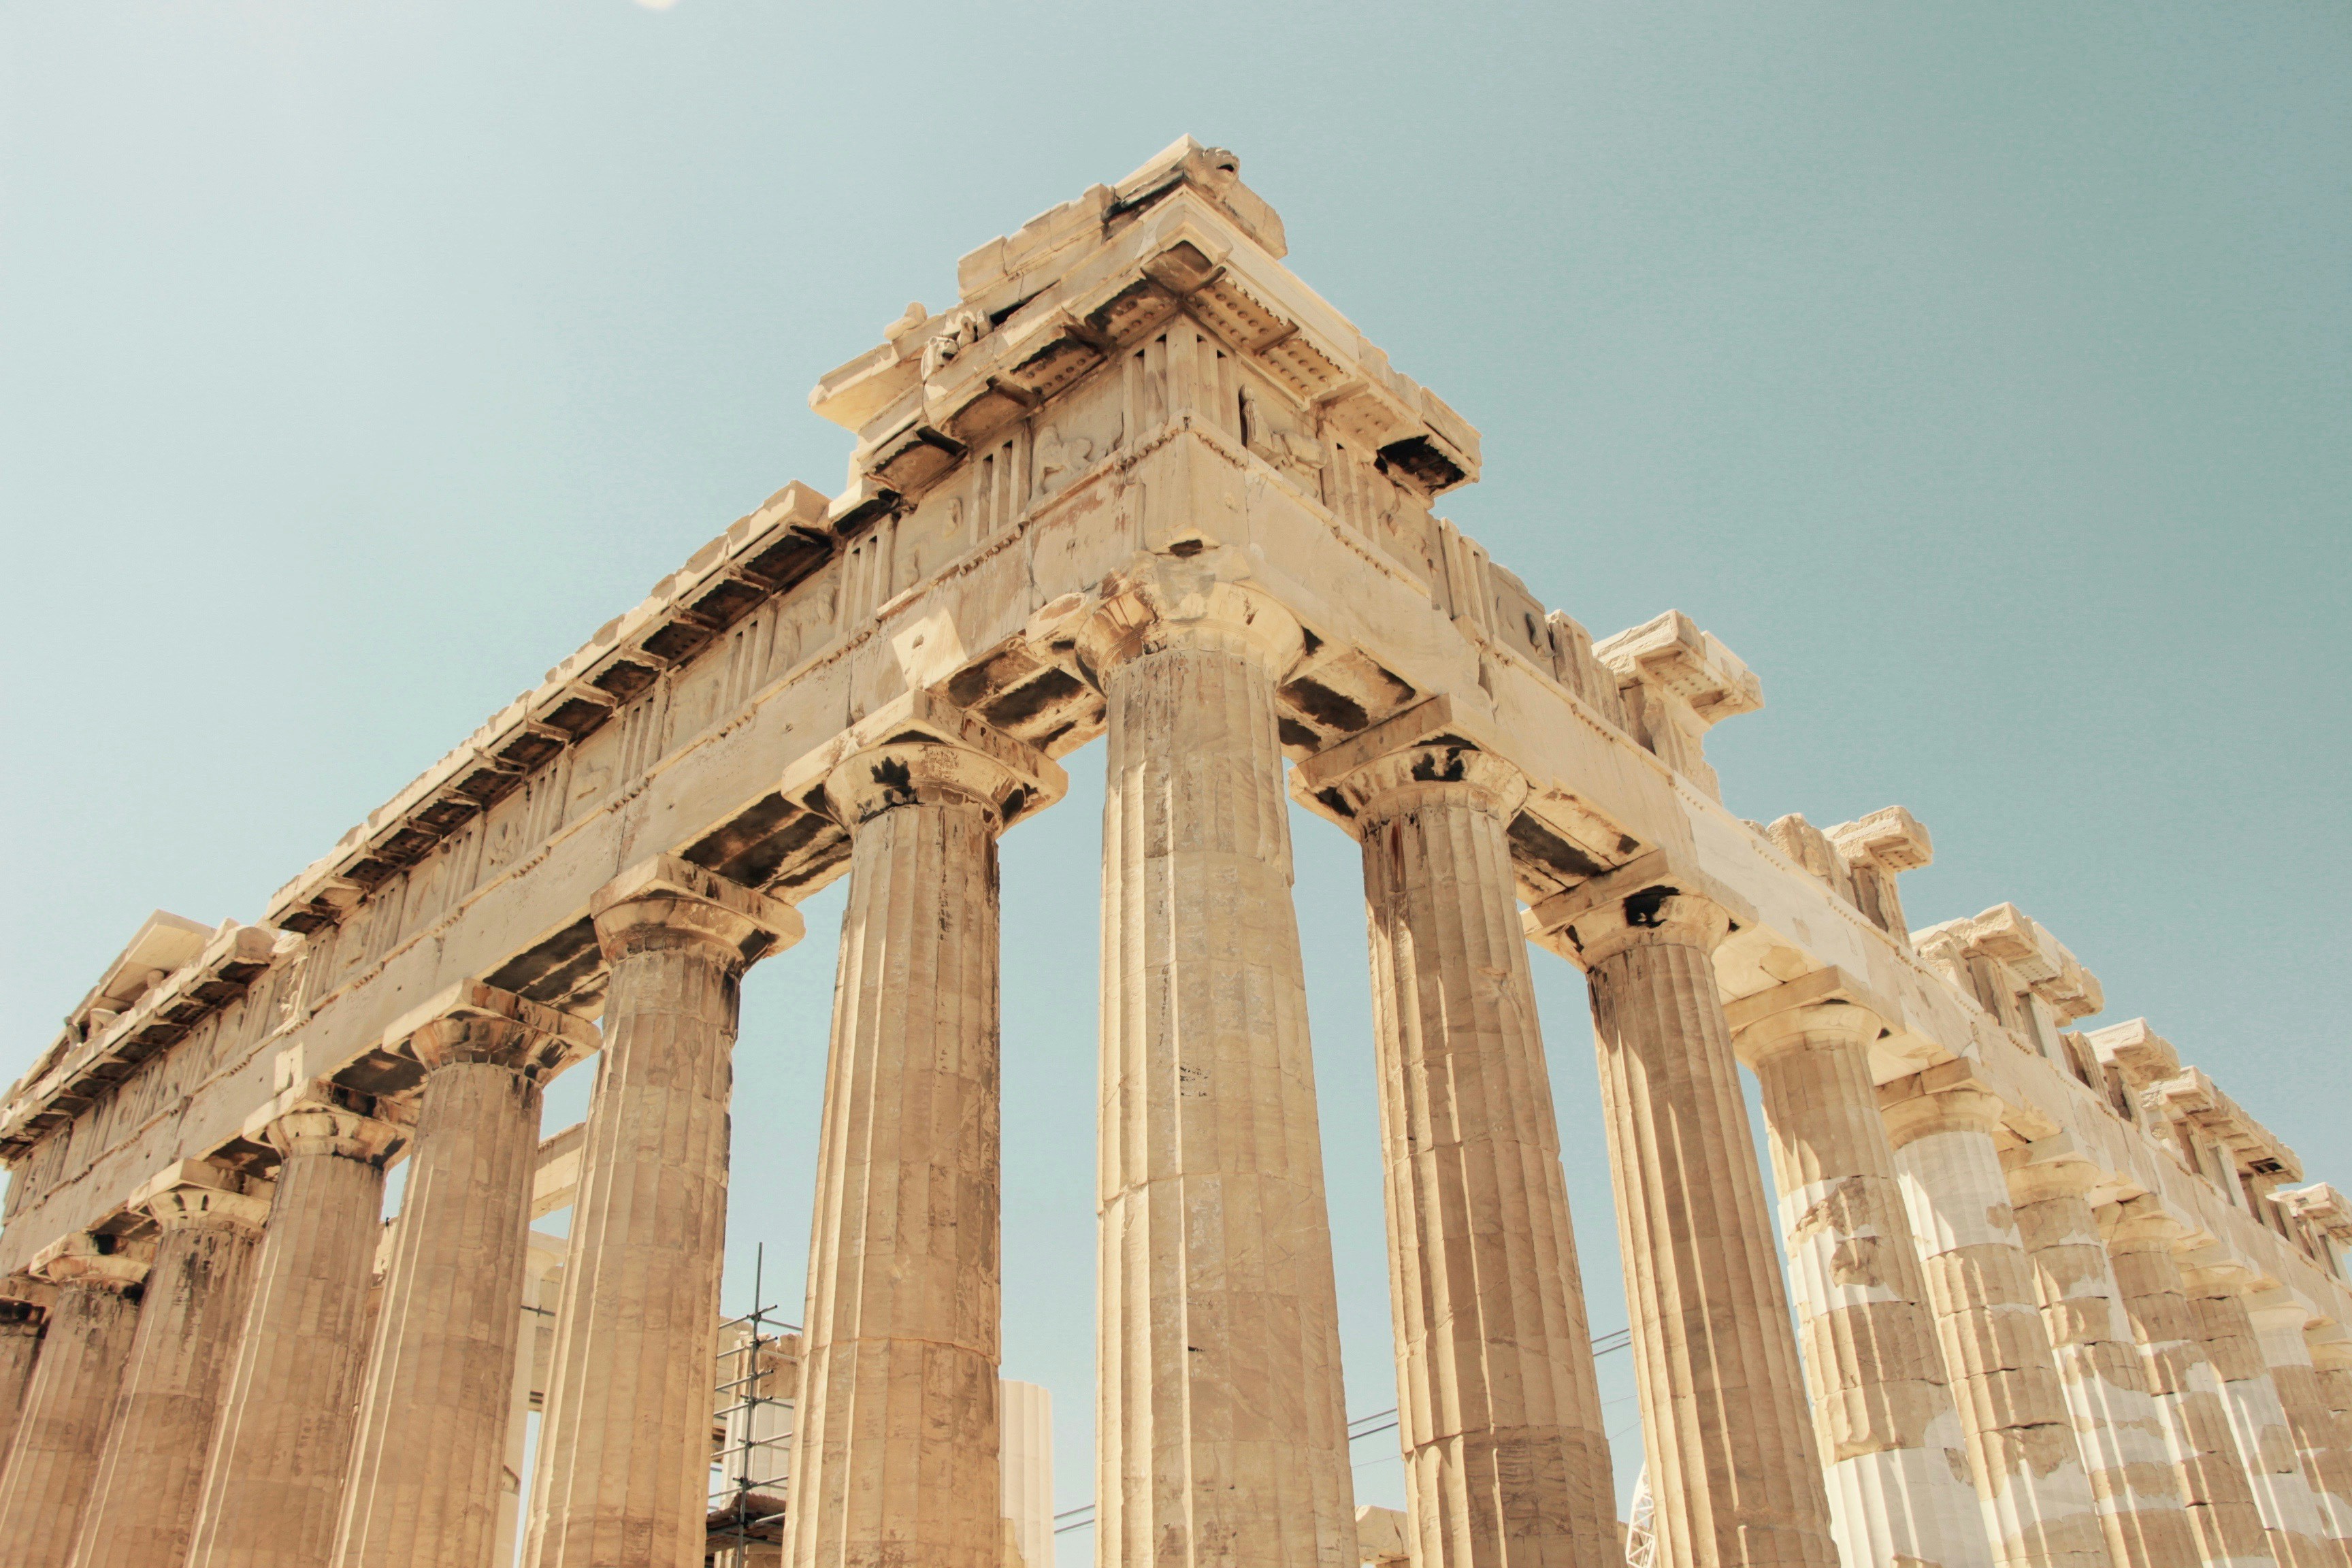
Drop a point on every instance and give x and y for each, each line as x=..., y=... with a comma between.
x=1977, y=372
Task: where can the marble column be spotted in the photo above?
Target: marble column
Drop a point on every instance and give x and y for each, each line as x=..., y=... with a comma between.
x=20, y=1348
x=2134, y=1482
x=1221, y=1429
x=1901, y=1490
x=1733, y=1463
x=2214, y=1485
x=534, y=1342
x=2283, y=1494
x=427, y=1468
x=142, y=1504
x=625, y=1442
x=1506, y=1452
x=2022, y=1442
x=896, y=1458
x=2321, y=1438
x=274, y=1477
x=70, y=1402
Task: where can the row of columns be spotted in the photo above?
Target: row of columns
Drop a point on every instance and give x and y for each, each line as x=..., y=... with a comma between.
x=2031, y=1381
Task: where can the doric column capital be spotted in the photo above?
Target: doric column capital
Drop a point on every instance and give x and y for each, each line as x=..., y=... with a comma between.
x=1641, y=904
x=24, y=1297
x=322, y=1117
x=2050, y=1168
x=1647, y=902
x=665, y=901
x=20, y=1320
x=1432, y=753
x=922, y=772
x=197, y=1192
x=473, y=1022
x=1655, y=915
x=1939, y=1100
x=1813, y=1012
x=2139, y=1225
x=934, y=752
x=2208, y=1271
x=102, y=1262
x=1196, y=602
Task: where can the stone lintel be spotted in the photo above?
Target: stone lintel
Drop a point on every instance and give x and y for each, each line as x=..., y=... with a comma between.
x=926, y=718
x=556, y=1038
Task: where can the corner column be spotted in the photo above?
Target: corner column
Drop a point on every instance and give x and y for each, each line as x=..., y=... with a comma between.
x=1507, y=1455
x=2285, y=1498
x=1900, y=1488
x=70, y=1402
x=142, y=1504
x=2029, y=1465
x=896, y=1455
x=426, y=1471
x=625, y=1443
x=274, y=1477
x=1222, y=1432
x=2134, y=1482
x=2188, y=1391
x=1733, y=1463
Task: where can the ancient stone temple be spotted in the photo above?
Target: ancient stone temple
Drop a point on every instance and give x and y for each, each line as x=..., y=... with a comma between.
x=2051, y=1299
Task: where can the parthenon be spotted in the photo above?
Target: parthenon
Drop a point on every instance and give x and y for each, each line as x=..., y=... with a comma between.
x=2018, y=1294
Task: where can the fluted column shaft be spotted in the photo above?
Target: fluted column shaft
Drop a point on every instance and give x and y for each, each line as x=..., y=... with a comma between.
x=1900, y=1488
x=624, y=1446
x=2022, y=1443
x=20, y=1348
x=2133, y=1482
x=427, y=1469
x=2320, y=1435
x=2188, y=1391
x=1222, y=1433
x=69, y=1403
x=2283, y=1494
x=274, y=1477
x=896, y=1456
x=1733, y=1463
x=1507, y=1455
x=142, y=1504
